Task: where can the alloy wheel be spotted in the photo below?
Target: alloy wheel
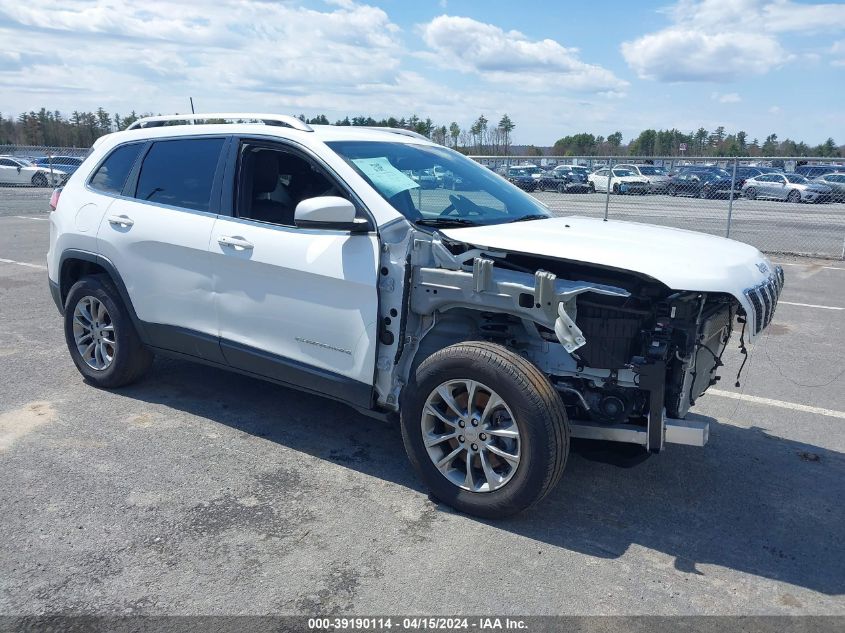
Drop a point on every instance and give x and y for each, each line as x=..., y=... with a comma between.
x=470, y=435
x=93, y=333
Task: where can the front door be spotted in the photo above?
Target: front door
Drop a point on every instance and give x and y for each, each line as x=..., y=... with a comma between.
x=296, y=305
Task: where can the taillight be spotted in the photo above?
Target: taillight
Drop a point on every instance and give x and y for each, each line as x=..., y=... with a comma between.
x=54, y=199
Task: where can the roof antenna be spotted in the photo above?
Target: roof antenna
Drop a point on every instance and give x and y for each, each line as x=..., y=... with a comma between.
x=192, y=105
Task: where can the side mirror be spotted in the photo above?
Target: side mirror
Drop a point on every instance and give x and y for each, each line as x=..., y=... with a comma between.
x=328, y=212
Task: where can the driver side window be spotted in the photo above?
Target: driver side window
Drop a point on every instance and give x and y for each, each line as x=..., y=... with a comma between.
x=272, y=180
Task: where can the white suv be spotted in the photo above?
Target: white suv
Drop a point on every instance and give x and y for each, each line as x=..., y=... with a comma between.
x=308, y=257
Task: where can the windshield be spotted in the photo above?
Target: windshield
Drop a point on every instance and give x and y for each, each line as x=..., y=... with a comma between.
x=649, y=170
x=622, y=172
x=796, y=178
x=483, y=197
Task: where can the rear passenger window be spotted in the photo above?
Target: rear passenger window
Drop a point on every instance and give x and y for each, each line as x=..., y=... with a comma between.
x=180, y=173
x=111, y=175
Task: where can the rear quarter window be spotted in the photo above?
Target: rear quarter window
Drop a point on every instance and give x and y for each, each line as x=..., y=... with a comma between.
x=111, y=174
x=180, y=172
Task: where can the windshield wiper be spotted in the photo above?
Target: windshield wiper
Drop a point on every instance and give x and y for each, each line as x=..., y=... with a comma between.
x=442, y=222
x=536, y=216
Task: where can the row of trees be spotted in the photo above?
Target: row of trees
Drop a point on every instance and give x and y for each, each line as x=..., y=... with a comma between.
x=52, y=128
x=699, y=143
x=482, y=136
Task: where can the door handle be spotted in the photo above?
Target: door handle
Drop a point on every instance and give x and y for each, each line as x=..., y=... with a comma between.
x=235, y=242
x=120, y=220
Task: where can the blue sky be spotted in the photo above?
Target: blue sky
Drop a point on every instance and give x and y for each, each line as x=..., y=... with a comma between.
x=556, y=68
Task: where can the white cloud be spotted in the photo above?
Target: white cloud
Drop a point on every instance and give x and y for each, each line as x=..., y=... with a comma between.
x=153, y=55
x=726, y=40
x=775, y=109
x=471, y=46
x=729, y=97
x=837, y=52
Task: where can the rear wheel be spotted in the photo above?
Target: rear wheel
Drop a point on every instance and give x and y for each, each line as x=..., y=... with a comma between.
x=484, y=429
x=703, y=193
x=561, y=188
x=592, y=187
x=751, y=193
x=100, y=335
x=616, y=189
x=39, y=180
x=794, y=196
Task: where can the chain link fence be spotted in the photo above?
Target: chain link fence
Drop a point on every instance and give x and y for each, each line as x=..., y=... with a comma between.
x=785, y=205
x=38, y=166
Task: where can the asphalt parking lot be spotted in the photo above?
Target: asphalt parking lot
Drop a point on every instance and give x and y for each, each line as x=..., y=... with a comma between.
x=201, y=492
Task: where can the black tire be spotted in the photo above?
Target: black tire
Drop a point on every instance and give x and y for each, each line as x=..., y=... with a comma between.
x=561, y=188
x=131, y=359
x=751, y=193
x=39, y=180
x=536, y=408
x=703, y=193
x=794, y=196
x=671, y=190
x=616, y=189
x=592, y=187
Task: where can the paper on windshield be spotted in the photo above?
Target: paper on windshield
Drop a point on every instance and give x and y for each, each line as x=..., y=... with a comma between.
x=384, y=176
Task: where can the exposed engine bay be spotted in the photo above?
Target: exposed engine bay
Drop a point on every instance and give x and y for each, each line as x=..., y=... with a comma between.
x=621, y=347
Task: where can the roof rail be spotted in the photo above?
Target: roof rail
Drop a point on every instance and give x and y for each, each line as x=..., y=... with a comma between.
x=285, y=120
x=397, y=130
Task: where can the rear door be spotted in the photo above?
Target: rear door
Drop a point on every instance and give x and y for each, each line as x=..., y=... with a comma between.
x=296, y=305
x=156, y=234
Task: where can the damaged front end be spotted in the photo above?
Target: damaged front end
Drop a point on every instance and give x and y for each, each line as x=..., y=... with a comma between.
x=628, y=354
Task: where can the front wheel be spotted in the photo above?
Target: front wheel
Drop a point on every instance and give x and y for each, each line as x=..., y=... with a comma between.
x=592, y=187
x=100, y=335
x=751, y=193
x=39, y=180
x=484, y=429
x=616, y=189
x=794, y=196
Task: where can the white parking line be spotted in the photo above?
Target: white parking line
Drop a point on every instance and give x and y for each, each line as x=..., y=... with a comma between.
x=27, y=264
x=28, y=217
x=777, y=403
x=809, y=265
x=809, y=305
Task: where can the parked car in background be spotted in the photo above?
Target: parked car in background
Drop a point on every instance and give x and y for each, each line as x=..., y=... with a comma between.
x=19, y=171
x=453, y=181
x=67, y=164
x=743, y=172
x=791, y=187
x=814, y=171
x=563, y=179
x=425, y=178
x=702, y=182
x=522, y=177
x=620, y=181
x=657, y=177
x=836, y=182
